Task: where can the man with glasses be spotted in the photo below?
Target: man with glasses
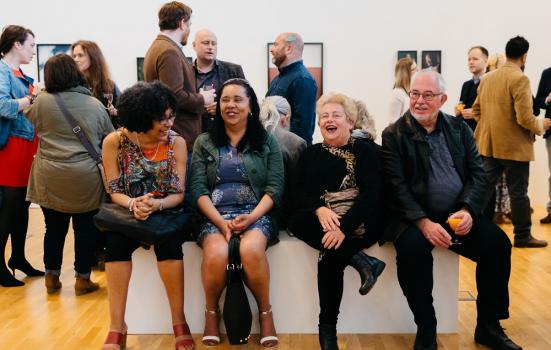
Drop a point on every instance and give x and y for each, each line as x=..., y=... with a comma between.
x=165, y=61
x=505, y=135
x=435, y=177
x=294, y=83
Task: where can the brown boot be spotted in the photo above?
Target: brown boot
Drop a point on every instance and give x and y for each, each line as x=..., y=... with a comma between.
x=52, y=283
x=84, y=286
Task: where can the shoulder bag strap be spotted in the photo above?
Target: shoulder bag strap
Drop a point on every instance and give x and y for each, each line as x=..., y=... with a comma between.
x=77, y=130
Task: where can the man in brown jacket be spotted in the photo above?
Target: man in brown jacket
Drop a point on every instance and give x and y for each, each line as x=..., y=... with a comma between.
x=165, y=61
x=505, y=135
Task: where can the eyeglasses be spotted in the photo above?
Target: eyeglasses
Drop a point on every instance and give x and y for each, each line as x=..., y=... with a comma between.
x=427, y=95
x=168, y=120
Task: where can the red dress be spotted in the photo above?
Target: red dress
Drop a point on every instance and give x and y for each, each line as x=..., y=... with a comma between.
x=17, y=157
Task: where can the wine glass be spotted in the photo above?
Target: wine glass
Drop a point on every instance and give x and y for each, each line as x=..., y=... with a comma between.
x=109, y=98
x=453, y=223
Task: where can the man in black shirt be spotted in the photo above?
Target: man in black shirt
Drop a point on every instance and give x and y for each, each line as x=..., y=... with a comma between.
x=543, y=101
x=210, y=72
x=477, y=63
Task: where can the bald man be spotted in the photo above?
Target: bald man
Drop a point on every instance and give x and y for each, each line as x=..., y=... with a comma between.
x=210, y=72
x=295, y=83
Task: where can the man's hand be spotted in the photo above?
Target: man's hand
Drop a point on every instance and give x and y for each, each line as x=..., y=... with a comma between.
x=208, y=96
x=328, y=219
x=467, y=113
x=333, y=239
x=211, y=109
x=434, y=232
x=548, y=99
x=465, y=224
x=546, y=123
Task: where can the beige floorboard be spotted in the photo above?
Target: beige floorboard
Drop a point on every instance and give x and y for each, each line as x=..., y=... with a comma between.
x=30, y=319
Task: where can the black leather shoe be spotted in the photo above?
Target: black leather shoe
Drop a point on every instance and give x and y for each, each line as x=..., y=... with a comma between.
x=491, y=334
x=425, y=339
x=546, y=220
x=529, y=242
x=369, y=269
x=328, y=337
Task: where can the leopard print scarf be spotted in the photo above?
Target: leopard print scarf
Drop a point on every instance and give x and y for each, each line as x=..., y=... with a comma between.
x=349, y=181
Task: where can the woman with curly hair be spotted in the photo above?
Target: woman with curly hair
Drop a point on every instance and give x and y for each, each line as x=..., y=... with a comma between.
x=145, y=166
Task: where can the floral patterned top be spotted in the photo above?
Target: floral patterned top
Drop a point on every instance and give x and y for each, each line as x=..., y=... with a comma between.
x=232, y=188
x=141, y=175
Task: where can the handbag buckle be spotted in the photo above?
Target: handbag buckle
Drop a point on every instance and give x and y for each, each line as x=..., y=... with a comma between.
x=76, y=129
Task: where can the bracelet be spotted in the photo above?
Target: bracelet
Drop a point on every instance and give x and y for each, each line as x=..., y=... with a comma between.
x=161, y=205
x=131, y=203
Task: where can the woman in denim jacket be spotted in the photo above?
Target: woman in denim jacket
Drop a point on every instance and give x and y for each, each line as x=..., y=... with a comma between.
x=236, y=180
x=18, y=143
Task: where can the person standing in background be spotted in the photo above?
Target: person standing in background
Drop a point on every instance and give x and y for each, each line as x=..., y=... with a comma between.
x=399, y=100
x=91, y=63
x=165, y=61
x=477, y=64
x=294, y=83
x=543, y=101
x=18, y=144
x=210, y=72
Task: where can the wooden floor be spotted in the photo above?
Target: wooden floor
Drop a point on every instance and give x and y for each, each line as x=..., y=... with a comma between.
x=31, y=319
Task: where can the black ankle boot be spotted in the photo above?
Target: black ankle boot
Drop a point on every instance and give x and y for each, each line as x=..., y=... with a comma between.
x=369, y=269
x=24, y=266
x=8, y=280
x=328, y=337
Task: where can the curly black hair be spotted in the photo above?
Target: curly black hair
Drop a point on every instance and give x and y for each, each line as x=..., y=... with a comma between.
x=141, y=104
x=255, y=134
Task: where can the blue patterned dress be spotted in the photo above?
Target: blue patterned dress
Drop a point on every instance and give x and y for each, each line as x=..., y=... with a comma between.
x=233, y=195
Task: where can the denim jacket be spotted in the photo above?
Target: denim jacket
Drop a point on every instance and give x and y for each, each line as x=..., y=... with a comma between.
x=11, y=89
x=265, y=169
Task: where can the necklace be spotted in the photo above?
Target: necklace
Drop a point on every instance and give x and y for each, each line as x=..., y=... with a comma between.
x=143, y=154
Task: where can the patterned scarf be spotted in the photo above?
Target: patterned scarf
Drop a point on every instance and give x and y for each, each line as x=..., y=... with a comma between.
x=349, y=180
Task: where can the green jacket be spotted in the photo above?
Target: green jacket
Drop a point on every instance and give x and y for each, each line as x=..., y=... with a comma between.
x=265, y=169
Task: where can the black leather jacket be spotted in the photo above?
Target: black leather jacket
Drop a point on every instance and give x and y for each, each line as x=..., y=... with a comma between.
x=405, y=164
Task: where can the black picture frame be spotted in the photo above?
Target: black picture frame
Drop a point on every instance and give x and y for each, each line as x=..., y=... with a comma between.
x=45, y=51
x=139, y=68
x=312, y=56
x=431, y=60
x=407, y=53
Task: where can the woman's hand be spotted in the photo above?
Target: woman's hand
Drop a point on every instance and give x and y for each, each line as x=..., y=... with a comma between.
x=241, y=222
x=328, y=219
x=225, y=229
x=144, y=206
x=333, y=239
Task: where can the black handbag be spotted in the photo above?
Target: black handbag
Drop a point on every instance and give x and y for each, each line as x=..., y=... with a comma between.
x=158, y=227
x=237, y=311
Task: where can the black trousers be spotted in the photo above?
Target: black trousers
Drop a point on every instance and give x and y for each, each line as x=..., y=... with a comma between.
x=57, y=225
x=331, y=265
x=14, y=220
x=517, y=176
x=486, y=244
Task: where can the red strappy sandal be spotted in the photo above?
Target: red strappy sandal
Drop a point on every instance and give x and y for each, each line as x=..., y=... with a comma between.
x=115, y=341
x=183, y=336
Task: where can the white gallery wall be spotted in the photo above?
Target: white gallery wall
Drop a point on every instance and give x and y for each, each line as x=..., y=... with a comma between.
x=360, y=39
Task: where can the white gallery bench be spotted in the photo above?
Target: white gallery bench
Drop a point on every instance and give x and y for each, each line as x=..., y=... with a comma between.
x=293, y=293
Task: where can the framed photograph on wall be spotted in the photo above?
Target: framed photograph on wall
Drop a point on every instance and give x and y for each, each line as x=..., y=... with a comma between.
x=45, y=51
x=431, y=60
x=139, y=68
x=408, y=54
x=313, y=60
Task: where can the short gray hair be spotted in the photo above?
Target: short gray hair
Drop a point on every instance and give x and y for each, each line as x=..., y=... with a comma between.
x=437, y=76
x=270, y=111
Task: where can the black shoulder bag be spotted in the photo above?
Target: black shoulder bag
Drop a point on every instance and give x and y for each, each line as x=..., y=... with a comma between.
x=237, y=311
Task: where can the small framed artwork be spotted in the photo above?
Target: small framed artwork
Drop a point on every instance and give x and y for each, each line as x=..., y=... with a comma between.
x=139, y=68
x=312, y=55
x=431, y=60
x=45, y=51
x=408, y=54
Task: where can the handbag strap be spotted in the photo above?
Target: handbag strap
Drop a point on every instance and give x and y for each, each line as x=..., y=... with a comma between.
x=77, y=130
x=234, y=267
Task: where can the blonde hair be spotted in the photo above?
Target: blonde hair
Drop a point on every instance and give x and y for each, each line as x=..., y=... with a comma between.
x=365, y=120
x=350, y=109
x=270, y=111
x=495, y=61
x=402, y=73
